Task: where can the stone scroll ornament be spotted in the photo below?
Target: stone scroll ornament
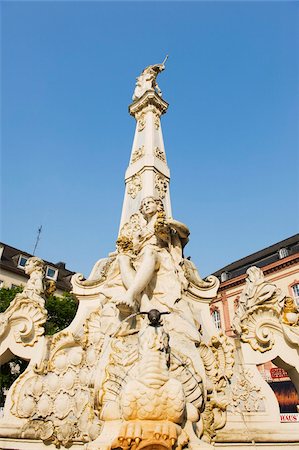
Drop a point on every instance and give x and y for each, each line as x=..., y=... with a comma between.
x=23, y=320
x=264, y=313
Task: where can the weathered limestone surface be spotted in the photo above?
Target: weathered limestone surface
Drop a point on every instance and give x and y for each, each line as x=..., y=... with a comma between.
x=142, y=364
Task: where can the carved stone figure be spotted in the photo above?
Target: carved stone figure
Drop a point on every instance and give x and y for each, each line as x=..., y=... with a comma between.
x=35, y=268
x=147, y=80
x=153, y=259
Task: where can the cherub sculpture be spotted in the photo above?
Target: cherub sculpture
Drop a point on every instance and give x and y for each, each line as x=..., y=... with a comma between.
x=35, y=287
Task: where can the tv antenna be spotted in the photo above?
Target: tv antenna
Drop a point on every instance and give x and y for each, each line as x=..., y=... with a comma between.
x=39, y=230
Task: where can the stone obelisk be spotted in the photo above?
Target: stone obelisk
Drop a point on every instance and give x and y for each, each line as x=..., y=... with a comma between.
x=147, y=173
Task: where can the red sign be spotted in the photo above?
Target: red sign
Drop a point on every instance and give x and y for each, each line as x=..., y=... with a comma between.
x=277, y=372
x=289, y=417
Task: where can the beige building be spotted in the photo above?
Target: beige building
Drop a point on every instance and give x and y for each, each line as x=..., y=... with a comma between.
x=12, y=274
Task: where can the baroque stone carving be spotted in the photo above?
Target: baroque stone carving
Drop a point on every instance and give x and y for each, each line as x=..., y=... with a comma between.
x=55, y=397
x=160, y=154
x=141, y=121
x=245, y=395
x=161, y=185
x=137, y=154
x=147, y=80
x=24, y=318
x=192, y=275
x=97, y=276
x=134, y=185
x=290, y=312
x=157, y=120
x=135, y=374
x=260, y=314
x=218, y=359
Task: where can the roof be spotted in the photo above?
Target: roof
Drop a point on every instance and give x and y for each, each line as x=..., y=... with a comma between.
x=261, y=258
x=9, y=261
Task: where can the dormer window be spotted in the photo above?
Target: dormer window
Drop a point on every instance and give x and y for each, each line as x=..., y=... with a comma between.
x=22, y=261
x=51, y=273
x=283, y=252
x=224, y=276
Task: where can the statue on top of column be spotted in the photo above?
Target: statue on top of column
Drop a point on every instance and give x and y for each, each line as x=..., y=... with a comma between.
x=147, y=80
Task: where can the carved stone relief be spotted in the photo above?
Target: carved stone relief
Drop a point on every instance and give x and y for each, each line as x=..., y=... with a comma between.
x=245, y=395
x=137, y=154
x=157, y=120
x=160, y=154
x=141, y=121
x=161, y=185
x=218, y=359
x=134, y=185
x=261, y=314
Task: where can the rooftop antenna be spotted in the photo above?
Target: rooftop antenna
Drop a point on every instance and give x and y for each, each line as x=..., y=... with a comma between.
x=39, y=230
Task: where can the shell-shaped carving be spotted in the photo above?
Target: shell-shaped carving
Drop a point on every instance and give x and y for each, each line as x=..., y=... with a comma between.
x=47, y=430
x=257, y=328
x=37, y=387
x=30, y=385
x=60, y=362
x=52, y=382
x=29, y=319
x=62, y=405
x=91, y=356
x=44, y=405
x=75, y=356
x=84, y=376
x=66, y=432
x=92, y=328
x=27, y=407
x=68, y=379
x=81, y=400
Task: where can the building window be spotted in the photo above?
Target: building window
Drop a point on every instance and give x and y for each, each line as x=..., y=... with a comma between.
x=224, y=276
x=22, y=261
x=295, y=289
x=283, y=253
x=51, y=273
x=217, y=319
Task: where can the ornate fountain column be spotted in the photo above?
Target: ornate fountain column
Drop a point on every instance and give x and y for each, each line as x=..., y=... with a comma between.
x=147, y=173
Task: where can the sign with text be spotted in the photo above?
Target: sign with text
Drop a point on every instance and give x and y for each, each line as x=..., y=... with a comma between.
x=289, y=417
x=277, y=372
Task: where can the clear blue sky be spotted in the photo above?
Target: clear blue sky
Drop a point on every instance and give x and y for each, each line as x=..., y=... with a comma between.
x=231, y=131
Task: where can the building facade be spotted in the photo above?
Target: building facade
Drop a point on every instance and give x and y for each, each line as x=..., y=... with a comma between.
x=280, y=265
x=12, y=274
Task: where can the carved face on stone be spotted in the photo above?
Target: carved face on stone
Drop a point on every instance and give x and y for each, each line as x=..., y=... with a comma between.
x=150, y=205
x=32, y=264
